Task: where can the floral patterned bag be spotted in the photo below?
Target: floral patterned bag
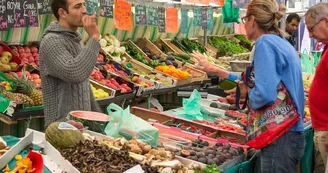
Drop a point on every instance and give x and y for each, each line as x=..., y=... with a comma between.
x=268, y=123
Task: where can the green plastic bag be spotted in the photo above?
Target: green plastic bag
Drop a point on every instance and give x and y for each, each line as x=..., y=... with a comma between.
x=191, y=107
x=229, y=13
x=124, y=124
x=316, y=55
x=307, y=62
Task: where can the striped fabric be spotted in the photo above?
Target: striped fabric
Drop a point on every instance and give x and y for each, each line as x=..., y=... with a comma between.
x=106, y=25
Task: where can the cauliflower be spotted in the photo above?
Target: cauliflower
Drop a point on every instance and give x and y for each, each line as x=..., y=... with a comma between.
x=117, y=43
x=103, y=42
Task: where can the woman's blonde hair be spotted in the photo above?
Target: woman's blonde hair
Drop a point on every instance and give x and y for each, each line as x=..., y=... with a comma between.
x=267, y=14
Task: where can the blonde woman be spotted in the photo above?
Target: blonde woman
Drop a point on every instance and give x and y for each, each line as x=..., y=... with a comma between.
x=275, y=62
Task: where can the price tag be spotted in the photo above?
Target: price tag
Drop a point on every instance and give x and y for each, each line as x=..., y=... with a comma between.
x=172, y=20
x=31, y=13
x=197, y=17
x=204, y=18
x=44, y=7
x=161, y=19
x=210, y=18
x=3, y=16
x=279, y=119
x=91, y=6
x=15, y=16
x=140, y=16
x=152, y=16
x=123, y=15
x=106, y=8
x=184, y=21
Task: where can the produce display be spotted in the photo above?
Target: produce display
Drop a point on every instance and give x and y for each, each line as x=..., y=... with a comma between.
x=91, y=156
x=33, y=78
x=95, y=121
x=113, y=69
x=244, y=41
x=5, y=61
x=28, y=55
x=134, y=145
x=99, y=93
x=110, y=82
x=152, y=61
x=188, y=128
x=22, y=166
x=218, y=154
x=139, y=81
x=163, y=80
x=112, y=47
x=171, y=70
x=101, y=58
x=226, y=47
x=188, y=45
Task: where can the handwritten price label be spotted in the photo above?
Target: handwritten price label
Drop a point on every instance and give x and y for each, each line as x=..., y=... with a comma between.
x=44, y=7
x=140, y=16
x=91, y=6
x=172, y=20
x=30, y=11
x=161, y=19
x=184, y=21
x=3, y=16
x=106, y=8
x=123, y=15
x=152, y=16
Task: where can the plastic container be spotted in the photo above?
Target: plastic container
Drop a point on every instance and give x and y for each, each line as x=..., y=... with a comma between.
x=172, y=142
x=239, y=66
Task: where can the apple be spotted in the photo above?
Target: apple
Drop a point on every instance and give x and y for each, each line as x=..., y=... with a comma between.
x=7, y=54
x=30, y=59
x=34, y=49
x=27, y=50
x=37, y=63
x=35, y=54
x=28, y=54
x=22, y=55
x=100, y=58
x=1, y=49
x=14, y=48
x=21, y=50
x=19, y=74
x=36, y=58
x=24, y=59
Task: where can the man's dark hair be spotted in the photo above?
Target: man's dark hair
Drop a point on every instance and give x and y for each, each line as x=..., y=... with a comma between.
x=293, y=16
x=57, y=4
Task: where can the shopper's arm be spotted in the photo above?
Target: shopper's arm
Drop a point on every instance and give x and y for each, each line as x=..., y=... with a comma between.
x=267, y=68
x=60, y=63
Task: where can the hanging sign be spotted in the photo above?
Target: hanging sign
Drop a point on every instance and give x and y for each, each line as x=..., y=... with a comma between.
x=204, y=2
x=152, y=16
x=91, y=6
x=197, y=17
x=14, y=12
x=217, y=2
x=106, y=8
x=204, y=18
x=123, y=15
x=184, y=21
x=31, y=14
x=140, y=15
x=161, y=19
x=171, y=20
x=44, y=7
x=210, y=18
x=3, y=16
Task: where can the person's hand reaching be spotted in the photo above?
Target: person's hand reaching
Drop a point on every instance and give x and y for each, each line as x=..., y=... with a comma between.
x=202, y=62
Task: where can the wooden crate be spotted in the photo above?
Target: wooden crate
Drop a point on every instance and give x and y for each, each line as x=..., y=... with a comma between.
x=198, y=75
x=145, y=43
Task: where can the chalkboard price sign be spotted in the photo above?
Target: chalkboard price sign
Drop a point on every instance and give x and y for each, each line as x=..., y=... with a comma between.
x=152, y=16
x=106, y=8
x=15, y=16
x=210, y=18
x=3, y=16
x=44, y=7
x=30, y=12
x=184, y=20
x=91, y=6
x=161, y=19
x=204, y=18
x=197, y=17
x=140, y=15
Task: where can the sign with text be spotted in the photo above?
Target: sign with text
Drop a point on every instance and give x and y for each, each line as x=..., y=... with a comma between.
x=14, y=12
x=106, y=8
x=204, y=18
x=210, y=18
x=204, y=2
x=140, y=15
x=217, y=2
x=123, y=15
x=3, y=15
x=184, y=20
x=161, y=19
x=152, y=16
x=91, y=6
x=172, y=20
x=44, y=7
x=31, y=14
x=197, y=17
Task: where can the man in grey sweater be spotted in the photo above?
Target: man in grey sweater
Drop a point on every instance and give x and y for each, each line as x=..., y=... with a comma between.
x=65, y=66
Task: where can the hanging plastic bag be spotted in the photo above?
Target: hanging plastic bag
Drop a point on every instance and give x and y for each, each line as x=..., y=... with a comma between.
x=191, y=107
x=307, y=62
x=230, y=14
x=124, y=124
x=316, y=55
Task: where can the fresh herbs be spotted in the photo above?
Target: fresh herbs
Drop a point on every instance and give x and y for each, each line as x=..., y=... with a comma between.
x=137, y=55
x=209, y=169
x=227, y=47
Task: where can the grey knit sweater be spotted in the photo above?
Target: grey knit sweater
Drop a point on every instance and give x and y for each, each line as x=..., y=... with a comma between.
x=65, y=68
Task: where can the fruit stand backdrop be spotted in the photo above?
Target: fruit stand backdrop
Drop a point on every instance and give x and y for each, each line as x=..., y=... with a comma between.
x=106, y=25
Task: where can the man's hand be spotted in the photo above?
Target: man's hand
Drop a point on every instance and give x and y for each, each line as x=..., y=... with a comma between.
x=90, y=26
